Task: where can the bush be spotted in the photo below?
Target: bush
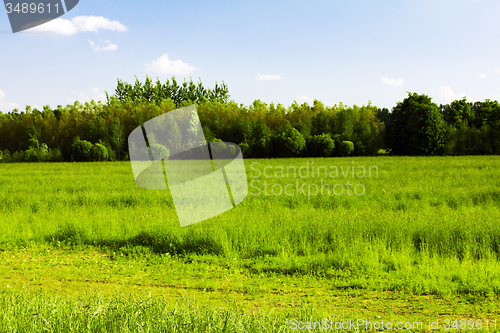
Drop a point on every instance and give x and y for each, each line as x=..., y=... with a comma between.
x=99, y=153
x=321, y=146
x=345, y=148
x=18, y=157
x=246, y=151
x=289, y=142
x=54, y=155
x=5, y=156
x=160, y=152
x=81, y=151
x=32, y=155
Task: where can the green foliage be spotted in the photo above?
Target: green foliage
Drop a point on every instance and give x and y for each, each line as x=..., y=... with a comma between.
x=5, y=156
x=246, y=150
x=81, y=150
x=260, y=141
x=321, y=146
x=159, y=152
x=416, y=127
x=321, y=123
x=345, y=148
x=289, y=142
x=41, y=154
x=181, y=95
x=99, y=153
x=458, y=112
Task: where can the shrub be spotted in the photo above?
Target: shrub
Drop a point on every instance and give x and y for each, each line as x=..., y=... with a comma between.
x=32, y=155
x=99, y=153
x=289, y=142
x=246, y=150
x=5, y=156
x=18, y=157
x=345, y=148
x=55, y=155
x=159, y=152
x=321, y=146
x=81, y=151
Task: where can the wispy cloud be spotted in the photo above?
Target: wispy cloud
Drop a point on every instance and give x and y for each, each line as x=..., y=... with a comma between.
x=267, y=77
x=393, y=82
x=79, y=24
x=304, y=99
x=482, y=76
x=6, y=106
x=446, y=95
x=163, y=65
x=109, y=47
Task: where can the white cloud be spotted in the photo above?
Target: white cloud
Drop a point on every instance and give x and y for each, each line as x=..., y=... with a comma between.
x=6, y=106
x=497, y=69
x=96, y=23
x=393, y=82
x=79, y=24
x=304, y=99
x=163, y=65
x=268, y=77
x=109, y=47
x=482, y=76
x=93, y=94
x=446, y=95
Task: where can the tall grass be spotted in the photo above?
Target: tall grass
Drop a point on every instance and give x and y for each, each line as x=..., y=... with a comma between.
x=25, y=312
x=426, y=224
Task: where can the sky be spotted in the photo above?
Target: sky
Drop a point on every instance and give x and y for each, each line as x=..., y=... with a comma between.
x=336, y=51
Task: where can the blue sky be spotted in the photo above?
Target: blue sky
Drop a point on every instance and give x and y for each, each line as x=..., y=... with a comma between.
x=276, y=51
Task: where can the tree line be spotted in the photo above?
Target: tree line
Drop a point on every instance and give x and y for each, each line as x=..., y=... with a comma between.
x=98, y=132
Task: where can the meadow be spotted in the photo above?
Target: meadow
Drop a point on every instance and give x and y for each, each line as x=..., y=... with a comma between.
x=84, y=249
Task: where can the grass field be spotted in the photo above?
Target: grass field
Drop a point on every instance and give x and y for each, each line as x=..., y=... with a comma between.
x=409, y=239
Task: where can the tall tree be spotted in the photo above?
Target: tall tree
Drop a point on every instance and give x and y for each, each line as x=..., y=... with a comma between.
x=416, y=127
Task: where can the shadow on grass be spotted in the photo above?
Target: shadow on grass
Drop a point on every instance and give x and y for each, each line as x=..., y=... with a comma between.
x=156, y=242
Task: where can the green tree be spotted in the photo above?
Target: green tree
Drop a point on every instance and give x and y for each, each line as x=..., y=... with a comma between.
x=345, y=148
x=459, y=111
x=81, y=150
x=321, y=146
x=116, y=138
x=159, y=152
x=289, y=141
x=260, y=142
x=416, y=127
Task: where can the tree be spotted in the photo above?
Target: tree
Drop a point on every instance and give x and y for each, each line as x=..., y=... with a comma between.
x=384, y=116
x=320, y=123
x=159, y=152
x=321, y=146
x=416, y=127
x=459, y=111
x=289, y=141
x=81, y=150
x=116, y=137
x=345, y=148
x=260, y=142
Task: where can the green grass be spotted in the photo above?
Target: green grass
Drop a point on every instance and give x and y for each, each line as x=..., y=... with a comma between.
x=425, y=227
